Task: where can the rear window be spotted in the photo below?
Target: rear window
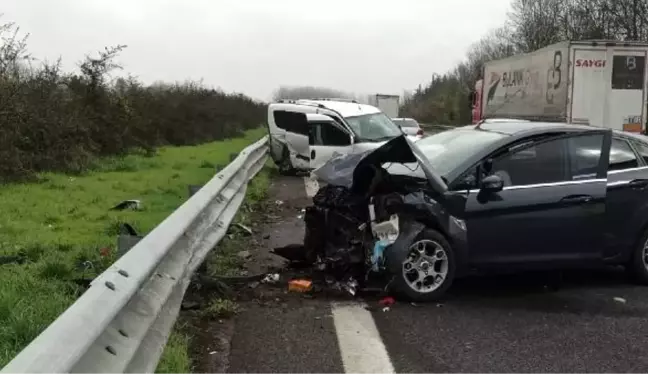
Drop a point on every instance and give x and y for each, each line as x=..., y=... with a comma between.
x=406, y=123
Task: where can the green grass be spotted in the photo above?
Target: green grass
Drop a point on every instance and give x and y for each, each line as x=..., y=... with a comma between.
x=176, y=355
x=60, y=225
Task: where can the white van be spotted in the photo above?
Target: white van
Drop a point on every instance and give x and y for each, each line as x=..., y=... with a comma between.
x=305, y=134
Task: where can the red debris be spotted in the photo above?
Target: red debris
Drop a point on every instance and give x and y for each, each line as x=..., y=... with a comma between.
x=387, y=301
x=104, y=252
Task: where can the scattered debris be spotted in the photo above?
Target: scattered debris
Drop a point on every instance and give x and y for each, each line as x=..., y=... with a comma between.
x=385, y=309
x=213, y=352
x=105, y=252
x=190, y=305
x=279, y=202
x=270, y=278
x=127, y=229
x=300, y=285
x=253, y=284
x=244, y=228
x=128, y=204
x=12, y=260
x=414, y=304
x=439, y=305
x=244, y=255
x=387, y=301
x=350, y=286
x=620, y=300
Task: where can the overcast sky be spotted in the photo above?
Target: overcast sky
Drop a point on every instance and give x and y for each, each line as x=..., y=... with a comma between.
x=253, y=46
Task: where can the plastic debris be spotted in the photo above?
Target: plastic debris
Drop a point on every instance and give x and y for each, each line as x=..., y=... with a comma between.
x=386, y=231
x=278, y=202
x=387, y=301
x=386, y=309
x=300, y=285
x=377, y=256
x=270, y=278
x=128, y=204
x=244, y=228
x=244, y=255
x=351, y=286
x=620, y=300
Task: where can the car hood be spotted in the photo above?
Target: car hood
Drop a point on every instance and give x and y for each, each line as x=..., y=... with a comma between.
x=342, y=170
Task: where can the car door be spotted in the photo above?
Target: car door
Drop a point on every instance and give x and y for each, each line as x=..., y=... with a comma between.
x=552, y=206
x=627, y=194
x=326, y=138
x=292, y=123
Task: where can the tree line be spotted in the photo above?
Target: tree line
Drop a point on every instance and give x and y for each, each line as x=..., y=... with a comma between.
x=530, y=25
x=51, y=120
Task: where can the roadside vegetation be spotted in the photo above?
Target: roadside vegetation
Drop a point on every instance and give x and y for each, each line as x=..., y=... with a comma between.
x=73, y=145
x=53, y=120
x=223, y=261
x=59, y=233
x=531, y=25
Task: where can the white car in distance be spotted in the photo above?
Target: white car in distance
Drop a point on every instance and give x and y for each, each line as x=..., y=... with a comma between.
x=305, y=134
x=410, y=127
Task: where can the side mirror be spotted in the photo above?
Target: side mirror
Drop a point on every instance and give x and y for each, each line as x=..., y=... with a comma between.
x=491, y=184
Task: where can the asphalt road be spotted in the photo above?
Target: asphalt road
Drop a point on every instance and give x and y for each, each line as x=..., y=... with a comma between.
x=502, y=324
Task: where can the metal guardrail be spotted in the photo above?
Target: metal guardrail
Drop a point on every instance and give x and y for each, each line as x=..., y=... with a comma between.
x=122, y=322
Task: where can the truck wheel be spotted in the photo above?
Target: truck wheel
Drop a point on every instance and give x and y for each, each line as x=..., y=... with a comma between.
x=284, y=164
x=638, y=265
x=428, y=269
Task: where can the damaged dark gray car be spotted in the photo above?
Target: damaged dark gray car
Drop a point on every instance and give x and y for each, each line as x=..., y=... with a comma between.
x=494, y=196
x=368, y=222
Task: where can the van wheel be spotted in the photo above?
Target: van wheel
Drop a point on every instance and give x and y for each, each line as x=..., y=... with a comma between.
x=284, y=164
x=428, y=269
x=638, y=265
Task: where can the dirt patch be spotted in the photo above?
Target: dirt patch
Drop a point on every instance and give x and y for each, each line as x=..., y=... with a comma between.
x=277, y=221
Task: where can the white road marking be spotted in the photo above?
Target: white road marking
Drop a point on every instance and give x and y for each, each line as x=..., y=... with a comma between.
x=311, y=185
x=360, y=344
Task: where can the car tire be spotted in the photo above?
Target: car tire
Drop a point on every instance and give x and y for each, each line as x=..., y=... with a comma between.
x=284, y=164
x=638, y=265
x=439, y=260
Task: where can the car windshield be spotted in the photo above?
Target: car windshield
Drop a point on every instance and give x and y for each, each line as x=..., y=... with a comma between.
x=406, y=122
x=446, y=150
x=373, y=127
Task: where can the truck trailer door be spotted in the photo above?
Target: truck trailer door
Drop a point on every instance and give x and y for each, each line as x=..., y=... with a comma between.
x=590, y=86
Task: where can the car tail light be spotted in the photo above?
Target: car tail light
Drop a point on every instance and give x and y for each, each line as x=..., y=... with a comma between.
x=419, y=132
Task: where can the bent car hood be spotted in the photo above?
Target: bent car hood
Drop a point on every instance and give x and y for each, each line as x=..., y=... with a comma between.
x=340, y=170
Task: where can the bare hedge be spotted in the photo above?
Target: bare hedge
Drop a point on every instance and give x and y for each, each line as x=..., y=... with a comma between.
x=56, y=121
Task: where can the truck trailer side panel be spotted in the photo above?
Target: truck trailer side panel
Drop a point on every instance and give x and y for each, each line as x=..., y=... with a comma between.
x=528, y=86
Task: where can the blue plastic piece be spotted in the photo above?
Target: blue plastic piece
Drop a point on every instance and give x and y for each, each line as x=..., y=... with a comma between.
x=377, y=255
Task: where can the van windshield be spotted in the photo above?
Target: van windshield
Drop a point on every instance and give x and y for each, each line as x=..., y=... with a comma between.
x=375, y=127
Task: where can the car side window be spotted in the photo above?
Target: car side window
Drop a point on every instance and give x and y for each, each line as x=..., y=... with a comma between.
x=622, y=156
x=294, y=122
x=585, y=154
x=327, y=134
x=540, y=163
x=642, y=149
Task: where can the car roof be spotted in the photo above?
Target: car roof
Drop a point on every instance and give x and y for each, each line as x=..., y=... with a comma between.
x=345, y=108
x=517, y=128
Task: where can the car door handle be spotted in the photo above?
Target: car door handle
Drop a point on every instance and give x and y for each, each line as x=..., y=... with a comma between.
x=577, y=199
x=312, y=154
x=638, y=183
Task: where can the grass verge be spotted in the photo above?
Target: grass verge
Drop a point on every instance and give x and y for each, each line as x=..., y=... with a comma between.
x=60, y=230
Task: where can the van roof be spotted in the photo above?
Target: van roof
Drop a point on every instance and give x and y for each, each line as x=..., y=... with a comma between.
x=345, y=108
